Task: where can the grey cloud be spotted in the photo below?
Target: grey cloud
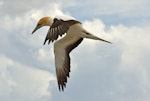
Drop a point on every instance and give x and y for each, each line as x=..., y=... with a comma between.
x=119, y=7
x=17, y=7
x=114, y=12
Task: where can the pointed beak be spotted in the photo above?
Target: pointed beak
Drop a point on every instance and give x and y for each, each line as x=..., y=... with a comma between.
x=36, y=28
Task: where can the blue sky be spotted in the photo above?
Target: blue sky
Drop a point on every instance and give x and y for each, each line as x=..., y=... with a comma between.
x=99, y=71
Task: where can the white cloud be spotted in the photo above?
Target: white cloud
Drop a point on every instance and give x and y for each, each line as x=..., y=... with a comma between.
x=118, y=71
x=133, y=42
x=133, y=71
x=23, y=76
x=18, y=80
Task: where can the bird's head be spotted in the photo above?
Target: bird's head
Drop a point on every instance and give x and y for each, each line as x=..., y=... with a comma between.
x=45, y=21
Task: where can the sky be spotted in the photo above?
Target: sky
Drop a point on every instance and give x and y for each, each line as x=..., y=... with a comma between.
x=99, y=71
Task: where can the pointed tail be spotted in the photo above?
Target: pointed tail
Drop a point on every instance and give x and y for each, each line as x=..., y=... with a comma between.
x=91, y=36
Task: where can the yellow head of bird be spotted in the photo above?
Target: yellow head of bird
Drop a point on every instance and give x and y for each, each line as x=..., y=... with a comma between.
x=45, y=21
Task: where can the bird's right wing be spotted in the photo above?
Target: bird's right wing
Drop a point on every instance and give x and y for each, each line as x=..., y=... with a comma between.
x=58, y=28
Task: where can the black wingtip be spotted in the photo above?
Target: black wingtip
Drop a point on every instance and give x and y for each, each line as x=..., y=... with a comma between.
x=44, y=42
x=49, y=41
x=61, y=88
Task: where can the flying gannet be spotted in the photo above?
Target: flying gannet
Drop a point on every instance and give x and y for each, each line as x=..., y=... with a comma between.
x=62, y=48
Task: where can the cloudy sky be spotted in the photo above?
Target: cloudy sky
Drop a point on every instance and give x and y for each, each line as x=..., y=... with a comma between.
x=99, y=71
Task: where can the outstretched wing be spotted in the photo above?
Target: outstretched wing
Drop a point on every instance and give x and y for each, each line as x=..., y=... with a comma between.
x=58, y=28
x=62, y=62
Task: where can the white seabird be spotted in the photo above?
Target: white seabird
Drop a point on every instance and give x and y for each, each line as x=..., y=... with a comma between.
x=62, y=48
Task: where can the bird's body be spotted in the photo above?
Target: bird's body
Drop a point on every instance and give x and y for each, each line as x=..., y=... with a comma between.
x=62, y=48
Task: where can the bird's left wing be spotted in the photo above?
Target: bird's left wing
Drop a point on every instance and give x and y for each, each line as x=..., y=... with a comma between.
x=62, y=62
x=58, y=28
